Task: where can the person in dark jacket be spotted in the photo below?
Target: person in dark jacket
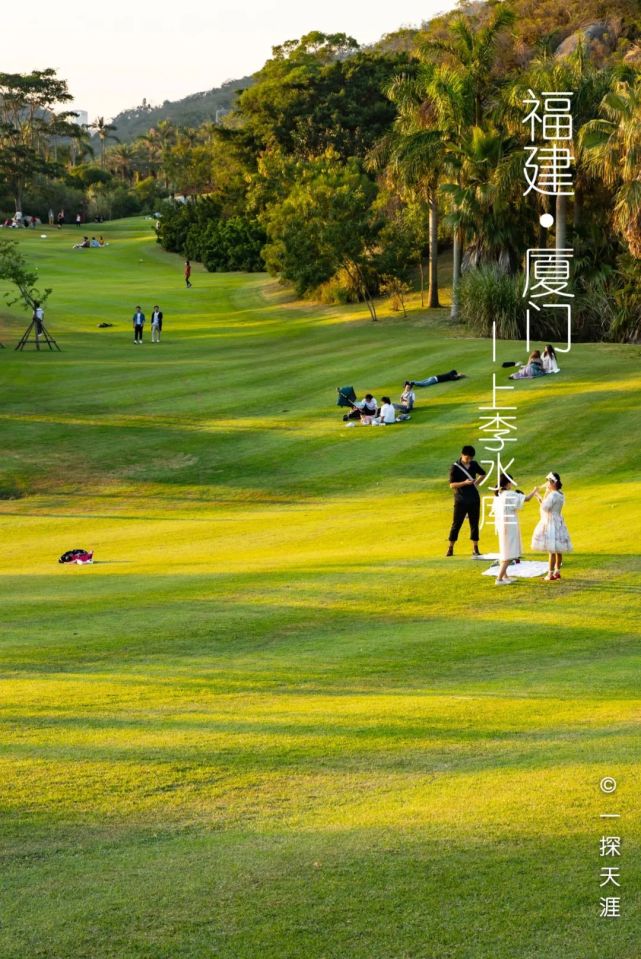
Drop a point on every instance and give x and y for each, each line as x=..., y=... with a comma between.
x=139, y=322
x=465, y=476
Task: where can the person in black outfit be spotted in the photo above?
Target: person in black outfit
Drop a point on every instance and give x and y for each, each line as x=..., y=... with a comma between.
x=465, y=476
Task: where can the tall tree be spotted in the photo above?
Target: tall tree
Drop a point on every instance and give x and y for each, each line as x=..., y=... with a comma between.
x=612, y=149
x=104, y=132
x=317, y=93
x=325, y=223
x=474, y=52
x=28, y=122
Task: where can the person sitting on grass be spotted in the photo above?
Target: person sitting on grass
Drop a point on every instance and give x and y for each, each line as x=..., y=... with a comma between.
x=439, y=378
x=386, y=415
x=408, y=398
x=363, y=409
x=94, y=243
x=550, y=364
x=532, y=369
x=84, y=245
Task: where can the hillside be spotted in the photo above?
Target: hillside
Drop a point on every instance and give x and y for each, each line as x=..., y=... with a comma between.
x=188, y=112
x=546, y=22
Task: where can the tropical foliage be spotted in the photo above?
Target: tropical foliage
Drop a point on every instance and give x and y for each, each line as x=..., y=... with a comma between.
x=346, y=171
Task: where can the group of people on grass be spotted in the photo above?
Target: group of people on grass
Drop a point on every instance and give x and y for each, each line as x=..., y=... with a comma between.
x=368, y=412
x=550, y=535
x=538, y=364
x=18, y=221
x=93, y=243
x=139, y=323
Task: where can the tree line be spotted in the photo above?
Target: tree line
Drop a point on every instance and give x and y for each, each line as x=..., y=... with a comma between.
x=346, y=171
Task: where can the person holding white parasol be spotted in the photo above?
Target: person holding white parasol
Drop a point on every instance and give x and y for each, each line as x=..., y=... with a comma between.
x=507, y=503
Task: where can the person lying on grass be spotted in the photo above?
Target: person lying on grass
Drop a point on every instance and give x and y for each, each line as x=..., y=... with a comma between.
x=440, y=378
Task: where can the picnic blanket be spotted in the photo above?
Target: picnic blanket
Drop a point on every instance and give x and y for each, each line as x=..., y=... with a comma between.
x=526, y=569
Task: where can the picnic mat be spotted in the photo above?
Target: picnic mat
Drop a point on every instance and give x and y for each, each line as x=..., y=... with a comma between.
x=526, y=569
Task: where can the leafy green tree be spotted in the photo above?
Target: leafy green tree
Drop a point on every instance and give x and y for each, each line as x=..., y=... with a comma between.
x=28, y=122
x=325, y=223
x=233, y=244
x=15, y=269
x=490, y=212
x=317, y=93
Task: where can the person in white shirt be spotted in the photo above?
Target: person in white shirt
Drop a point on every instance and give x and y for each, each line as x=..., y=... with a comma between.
x=387, y=414
x=363, y=410
x=550, y=364
x=38, y=320
x=156, y=324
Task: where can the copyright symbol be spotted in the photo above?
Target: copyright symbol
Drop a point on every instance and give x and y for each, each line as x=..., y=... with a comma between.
x=608, y=784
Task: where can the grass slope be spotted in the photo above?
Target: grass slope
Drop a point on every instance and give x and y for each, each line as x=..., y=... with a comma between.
x=271, y=720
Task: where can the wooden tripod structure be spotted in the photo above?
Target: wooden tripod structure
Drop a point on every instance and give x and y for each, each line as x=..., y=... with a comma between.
x=39, y=332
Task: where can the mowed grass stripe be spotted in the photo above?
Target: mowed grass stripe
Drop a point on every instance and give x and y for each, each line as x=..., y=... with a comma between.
x=271, y=720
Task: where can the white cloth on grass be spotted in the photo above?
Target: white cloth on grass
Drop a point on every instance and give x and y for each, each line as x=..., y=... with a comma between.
x=526, y=569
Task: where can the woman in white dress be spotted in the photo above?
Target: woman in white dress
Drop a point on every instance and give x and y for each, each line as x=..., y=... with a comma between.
x=550, y=364
x=551, y=534
x=506, y=505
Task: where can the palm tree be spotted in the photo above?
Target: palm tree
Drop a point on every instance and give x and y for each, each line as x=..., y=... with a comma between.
x=103, y=131
x=474, y=53
x=415, y=150
x=441, y=105
x=486, y=197
x=121, y=159
x=611, y=148
x=589, y=85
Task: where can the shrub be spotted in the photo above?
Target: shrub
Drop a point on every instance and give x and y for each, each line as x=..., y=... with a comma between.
x=489, y=295
x=182, y=224
x=232, y=244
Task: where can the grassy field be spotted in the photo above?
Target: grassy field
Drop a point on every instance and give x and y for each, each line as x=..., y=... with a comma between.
x=272, y=721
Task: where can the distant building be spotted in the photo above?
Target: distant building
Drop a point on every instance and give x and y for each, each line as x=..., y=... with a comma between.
x=83, y=117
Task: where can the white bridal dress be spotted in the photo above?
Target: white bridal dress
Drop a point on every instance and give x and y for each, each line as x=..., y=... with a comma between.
x=551, y=534
x=504, y=510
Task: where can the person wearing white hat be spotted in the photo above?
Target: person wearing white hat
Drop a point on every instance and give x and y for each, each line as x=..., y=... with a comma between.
x=506, y=505
x=551, y=534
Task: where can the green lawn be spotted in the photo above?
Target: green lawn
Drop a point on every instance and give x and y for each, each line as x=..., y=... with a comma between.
x=272, y=721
